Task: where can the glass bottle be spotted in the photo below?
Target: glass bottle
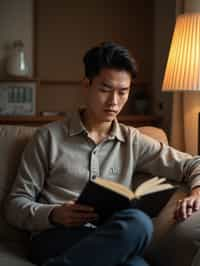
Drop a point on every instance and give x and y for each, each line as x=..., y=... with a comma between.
x=16, y=63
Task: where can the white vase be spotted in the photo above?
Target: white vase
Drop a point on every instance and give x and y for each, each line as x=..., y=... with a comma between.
x=16, y=63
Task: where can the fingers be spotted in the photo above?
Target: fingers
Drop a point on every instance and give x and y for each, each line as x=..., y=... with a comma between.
x=74, y=220
x=79, y=219
x=82, y=216
x=186, y=207
x=78, y=207
x=72, y=223
x=197, y=205
x=72, y=214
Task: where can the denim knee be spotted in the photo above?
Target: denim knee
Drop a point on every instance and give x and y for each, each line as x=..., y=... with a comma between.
x=139, y=261
x=133, y=221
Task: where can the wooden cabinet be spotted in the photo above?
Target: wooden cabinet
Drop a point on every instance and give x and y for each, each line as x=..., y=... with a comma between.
x=134, y=120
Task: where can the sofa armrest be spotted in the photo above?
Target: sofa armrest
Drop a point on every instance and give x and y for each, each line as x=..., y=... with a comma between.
x=155, y=133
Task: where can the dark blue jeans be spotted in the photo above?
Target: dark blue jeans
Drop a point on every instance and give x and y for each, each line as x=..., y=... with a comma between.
x=118, y=242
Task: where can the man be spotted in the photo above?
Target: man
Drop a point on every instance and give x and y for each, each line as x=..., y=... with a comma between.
x=64, y=155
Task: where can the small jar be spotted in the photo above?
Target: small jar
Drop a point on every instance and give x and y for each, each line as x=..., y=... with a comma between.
x=16, y=63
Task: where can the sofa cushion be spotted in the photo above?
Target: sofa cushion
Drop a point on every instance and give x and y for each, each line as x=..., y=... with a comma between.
x=175, y=243
x=12, y=142
x=155, y=133
x=13, y=254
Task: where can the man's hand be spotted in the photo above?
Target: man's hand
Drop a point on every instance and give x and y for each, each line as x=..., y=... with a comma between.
x=187, y=206
x=72, y=214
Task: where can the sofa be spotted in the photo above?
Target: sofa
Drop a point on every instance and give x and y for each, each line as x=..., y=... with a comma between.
x=172, y=244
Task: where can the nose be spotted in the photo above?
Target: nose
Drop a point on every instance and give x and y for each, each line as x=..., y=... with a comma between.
x=113, y=98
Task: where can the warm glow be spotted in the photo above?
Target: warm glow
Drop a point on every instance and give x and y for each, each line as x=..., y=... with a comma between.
x=183, y=65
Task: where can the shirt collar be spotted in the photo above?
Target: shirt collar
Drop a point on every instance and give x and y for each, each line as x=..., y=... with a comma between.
x=116, y=131
x=77, y=127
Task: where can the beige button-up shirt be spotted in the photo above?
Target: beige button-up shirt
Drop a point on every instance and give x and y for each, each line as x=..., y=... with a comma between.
x=61, y=158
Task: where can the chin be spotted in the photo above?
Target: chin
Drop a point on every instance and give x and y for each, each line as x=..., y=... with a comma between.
x=105, y=117
x=109, y=118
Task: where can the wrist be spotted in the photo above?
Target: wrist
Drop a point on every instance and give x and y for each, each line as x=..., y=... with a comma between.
x=195, y=191
x=51, y=217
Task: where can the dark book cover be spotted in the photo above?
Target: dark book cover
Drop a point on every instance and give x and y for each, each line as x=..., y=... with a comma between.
x=106, y=201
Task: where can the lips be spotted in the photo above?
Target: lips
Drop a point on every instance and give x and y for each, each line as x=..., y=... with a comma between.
x=110, y=111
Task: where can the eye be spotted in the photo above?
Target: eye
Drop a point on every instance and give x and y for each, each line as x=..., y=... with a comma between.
x=123, y=92
x=105, y=89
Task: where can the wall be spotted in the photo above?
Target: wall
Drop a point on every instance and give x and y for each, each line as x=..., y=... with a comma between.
x=164, y=19
x=135, y=30
x=15, y=24
x=65, y=30
x=191, y=102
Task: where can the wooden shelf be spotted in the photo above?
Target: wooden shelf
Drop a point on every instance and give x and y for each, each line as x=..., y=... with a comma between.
x=68, y=82
x=19, y=79
x=134, y=120
x=28, y=120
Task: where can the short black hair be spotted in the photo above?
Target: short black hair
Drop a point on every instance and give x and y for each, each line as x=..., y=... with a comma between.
x=108, y=55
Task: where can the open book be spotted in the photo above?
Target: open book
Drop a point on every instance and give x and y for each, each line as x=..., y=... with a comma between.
x=108, y=197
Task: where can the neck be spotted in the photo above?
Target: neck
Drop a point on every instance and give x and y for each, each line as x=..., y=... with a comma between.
x=96, y=129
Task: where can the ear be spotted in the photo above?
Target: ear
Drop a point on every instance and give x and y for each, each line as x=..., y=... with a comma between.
x=85, y=88
x=85, y=83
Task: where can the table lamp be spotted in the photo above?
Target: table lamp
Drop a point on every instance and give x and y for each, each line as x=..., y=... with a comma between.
x=182, y=71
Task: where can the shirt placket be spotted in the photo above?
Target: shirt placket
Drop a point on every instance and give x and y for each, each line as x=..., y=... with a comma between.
x=94, y=162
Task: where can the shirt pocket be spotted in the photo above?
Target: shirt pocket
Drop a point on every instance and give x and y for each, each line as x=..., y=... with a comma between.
x=114, y=171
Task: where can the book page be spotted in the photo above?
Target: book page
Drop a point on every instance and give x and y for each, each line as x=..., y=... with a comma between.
x=152, y=185
x=114, y=186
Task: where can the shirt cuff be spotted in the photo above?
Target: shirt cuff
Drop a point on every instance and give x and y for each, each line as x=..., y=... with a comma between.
x=195, y=183
x=41, y=218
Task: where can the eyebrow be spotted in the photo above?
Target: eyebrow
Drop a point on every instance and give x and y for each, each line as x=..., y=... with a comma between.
x=106, y=85
x=110, y=86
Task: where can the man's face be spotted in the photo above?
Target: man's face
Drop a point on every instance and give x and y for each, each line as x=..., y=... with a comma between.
x=107, y=94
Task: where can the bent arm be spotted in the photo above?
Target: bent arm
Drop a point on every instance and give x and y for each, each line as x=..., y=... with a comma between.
x=22, y=209
x=162, y=160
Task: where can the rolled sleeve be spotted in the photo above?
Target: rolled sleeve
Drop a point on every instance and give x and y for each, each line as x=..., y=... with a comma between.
x=40, y=218
x=162, y=160
x=22, y=209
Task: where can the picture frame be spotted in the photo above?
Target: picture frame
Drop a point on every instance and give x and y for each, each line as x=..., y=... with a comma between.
x=18, y=97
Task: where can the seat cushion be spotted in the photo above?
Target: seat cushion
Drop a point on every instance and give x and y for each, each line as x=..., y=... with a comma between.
x=13, y=254
x=12, y=142
x=155, y=133
x=174, y=243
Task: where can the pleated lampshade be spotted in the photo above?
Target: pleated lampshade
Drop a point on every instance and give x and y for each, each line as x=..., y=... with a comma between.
x=182, y=71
